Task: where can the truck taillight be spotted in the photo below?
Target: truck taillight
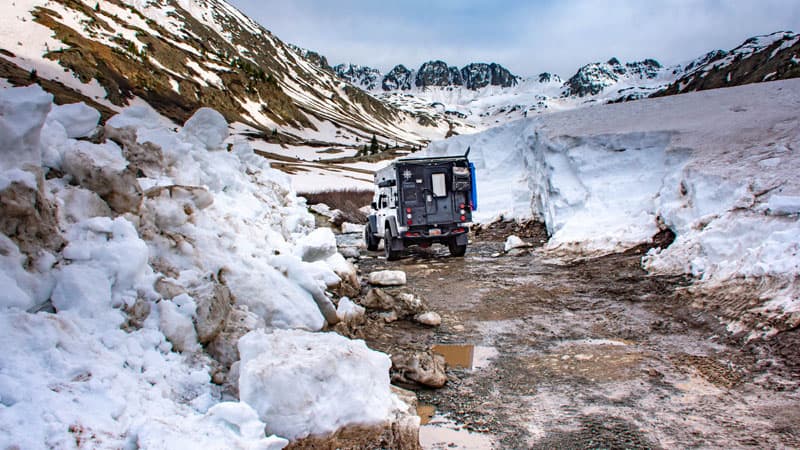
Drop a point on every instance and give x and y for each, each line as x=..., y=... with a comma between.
x=462, y=206
x=408, y=210
x=410, y=222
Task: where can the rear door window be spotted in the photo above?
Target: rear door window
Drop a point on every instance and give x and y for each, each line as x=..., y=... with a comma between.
x=439, y=185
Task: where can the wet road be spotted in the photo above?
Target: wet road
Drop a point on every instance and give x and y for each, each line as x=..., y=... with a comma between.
x=589, y=354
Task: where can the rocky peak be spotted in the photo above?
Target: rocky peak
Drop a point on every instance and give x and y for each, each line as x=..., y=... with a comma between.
x=437, y=73
x=399, y=78
x=479, y=75
x=311, y=56
x=547, y=77
x=364, y=77
x=591, y=79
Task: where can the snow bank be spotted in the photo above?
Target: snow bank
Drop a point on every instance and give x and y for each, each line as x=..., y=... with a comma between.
x=717, y=167
x=305, y=384
x=102, y=329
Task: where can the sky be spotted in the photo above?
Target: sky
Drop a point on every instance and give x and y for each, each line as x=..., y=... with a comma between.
x=527, y=37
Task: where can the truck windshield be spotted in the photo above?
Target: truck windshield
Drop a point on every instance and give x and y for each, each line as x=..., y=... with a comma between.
x=439, y=185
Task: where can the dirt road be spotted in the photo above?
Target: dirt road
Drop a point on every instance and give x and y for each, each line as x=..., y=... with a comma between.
x=591, y=354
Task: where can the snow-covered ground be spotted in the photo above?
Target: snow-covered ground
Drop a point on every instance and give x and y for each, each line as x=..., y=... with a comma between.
x=132, y=269
x=719, y=168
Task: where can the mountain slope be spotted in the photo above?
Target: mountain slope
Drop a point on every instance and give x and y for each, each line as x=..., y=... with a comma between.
x=770, y=57
x=178, y=55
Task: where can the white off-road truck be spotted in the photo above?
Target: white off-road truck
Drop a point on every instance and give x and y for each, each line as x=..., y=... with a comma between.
x=422, y=201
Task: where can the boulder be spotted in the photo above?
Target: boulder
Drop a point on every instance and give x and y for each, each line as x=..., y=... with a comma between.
x=429, y=318
x=378, y=299
x=425, y=368
x=103, y=169
x=387, y=278
x=214, y=304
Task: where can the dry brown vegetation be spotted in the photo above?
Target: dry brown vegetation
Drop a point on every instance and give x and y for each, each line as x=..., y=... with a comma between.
x=348, y=201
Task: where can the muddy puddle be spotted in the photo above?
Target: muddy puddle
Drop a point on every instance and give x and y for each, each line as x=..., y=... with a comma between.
x=589, y=354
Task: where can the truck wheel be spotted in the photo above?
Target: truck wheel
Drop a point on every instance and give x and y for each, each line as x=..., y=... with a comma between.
x=455, y=249
x=391, y=255
x=370, y=239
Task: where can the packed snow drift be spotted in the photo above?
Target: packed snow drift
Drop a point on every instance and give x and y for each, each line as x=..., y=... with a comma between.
x=134, y=257
x=718, y=168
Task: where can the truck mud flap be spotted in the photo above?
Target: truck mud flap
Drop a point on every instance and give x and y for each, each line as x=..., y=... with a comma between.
x=462, y=239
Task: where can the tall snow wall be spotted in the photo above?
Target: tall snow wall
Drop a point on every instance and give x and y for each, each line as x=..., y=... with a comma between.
x=717, y=167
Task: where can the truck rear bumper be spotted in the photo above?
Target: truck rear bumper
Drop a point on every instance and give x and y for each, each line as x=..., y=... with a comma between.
x=428, y=235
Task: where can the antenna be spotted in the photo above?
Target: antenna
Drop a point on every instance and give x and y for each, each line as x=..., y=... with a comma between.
x=467, y=154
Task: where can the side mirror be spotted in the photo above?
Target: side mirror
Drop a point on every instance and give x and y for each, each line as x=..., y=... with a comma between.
x=374, y=205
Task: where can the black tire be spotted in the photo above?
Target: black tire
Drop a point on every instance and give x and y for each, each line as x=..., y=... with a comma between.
x=455, y=249
x=391, y=255
x=370, y=239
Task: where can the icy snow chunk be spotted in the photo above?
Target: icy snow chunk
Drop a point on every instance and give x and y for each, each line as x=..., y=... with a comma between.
x=20, y=176
x=87, y=291
x=305, y=383
x=78, y=119
x=138, y=117
x=783, y=205
x=514, y=242
x=387, y=278
x=11, y=296
x=176, y=322
x=348, y=228
x=318, y=245
x=349, y=311
x=238, y=416
x=207, y=127
x=22, y=114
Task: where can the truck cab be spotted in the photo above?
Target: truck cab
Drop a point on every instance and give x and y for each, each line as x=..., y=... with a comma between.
x=422, y=201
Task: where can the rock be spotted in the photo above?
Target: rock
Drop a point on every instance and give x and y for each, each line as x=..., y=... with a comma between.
x=389, y=317
x=400, y=432
x=145, y=157
x=387, y=278
x=429, y=318
x=513, y=242
x=349, y=312
x=223, y=347
x=437, y=73
x=479, y=75
x=409, y=304
x=28, y=218
x=214, y=302
x=425, y=368
x=103, y=169
x=378, y=299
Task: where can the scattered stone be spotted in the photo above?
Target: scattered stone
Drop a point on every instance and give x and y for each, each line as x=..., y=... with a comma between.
x=387, y=278
x=378, y=299
x=349, y=312
x=389, y=317
x=425, y=368
x=513, y=242
x=429, y=318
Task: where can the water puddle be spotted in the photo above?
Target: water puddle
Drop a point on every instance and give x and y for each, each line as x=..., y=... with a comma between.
x=465, y=356
x=441, y=433
x=425, y=413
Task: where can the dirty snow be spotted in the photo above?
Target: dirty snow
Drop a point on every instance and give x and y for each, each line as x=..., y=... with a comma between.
x=95, y=352
x=606, y=178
